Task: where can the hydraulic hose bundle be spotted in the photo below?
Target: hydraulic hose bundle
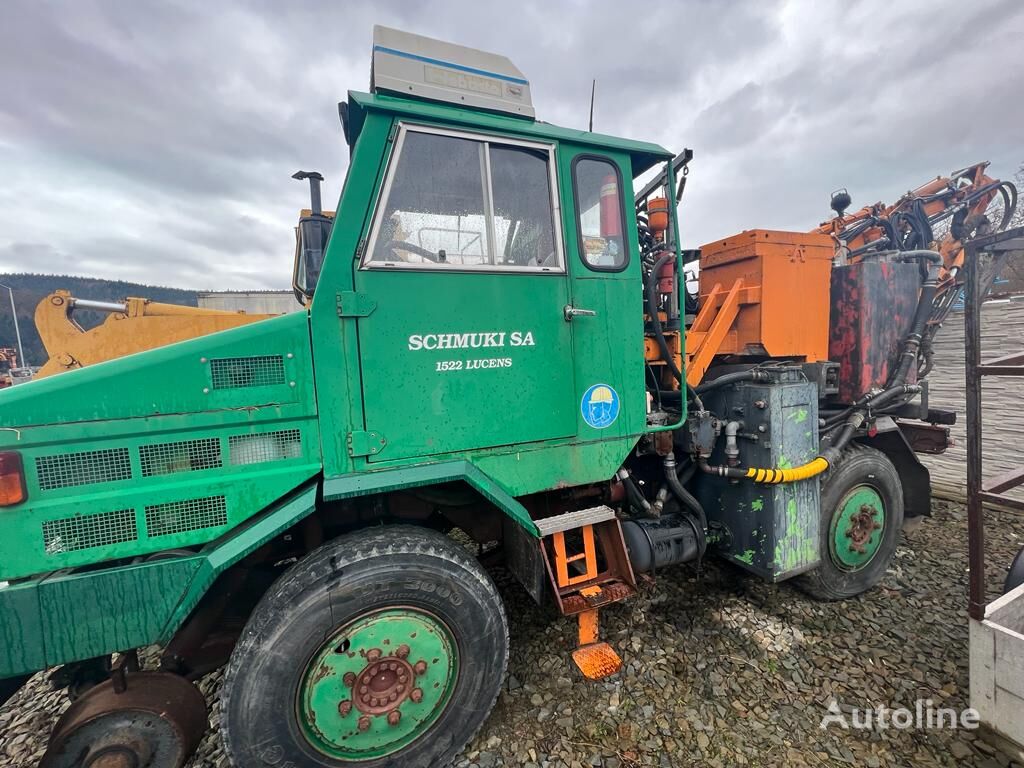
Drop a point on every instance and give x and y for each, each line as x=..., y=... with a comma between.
x=851, y=420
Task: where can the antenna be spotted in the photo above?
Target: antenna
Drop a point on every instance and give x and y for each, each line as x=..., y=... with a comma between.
x=593, y=87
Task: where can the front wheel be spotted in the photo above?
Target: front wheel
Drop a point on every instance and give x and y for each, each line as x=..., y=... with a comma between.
x=386, y=647
x=861, y=518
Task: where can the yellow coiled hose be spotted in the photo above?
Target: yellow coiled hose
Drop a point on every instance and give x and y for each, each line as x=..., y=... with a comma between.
x=793, y=474
x=812, y=468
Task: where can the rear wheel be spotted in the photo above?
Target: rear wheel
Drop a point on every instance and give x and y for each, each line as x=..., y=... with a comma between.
x=1015, y=577
x=386, y=647
x=861, y=518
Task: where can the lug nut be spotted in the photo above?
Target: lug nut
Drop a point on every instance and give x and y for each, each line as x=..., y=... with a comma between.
x=363, y=689
x=373, y=654
x=403, y=678
x=349, y=679
x=403, y=651
x=344, y=708
x=420, y=668
x=394, y=716
x=364, y=724
x=416, y=695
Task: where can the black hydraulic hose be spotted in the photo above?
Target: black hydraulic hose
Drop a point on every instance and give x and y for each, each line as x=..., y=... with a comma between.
x=696, y=398
x=912, y=342
x=721, y=381
x=686, y=472
x=634, y=494
x=755, y=374
x=687, y=499
x=676, y=395
x=652, y=308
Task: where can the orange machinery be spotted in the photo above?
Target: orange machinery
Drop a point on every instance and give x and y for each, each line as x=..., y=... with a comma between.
x=763, y=294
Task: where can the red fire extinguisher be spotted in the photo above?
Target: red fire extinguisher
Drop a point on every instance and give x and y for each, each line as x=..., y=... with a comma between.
x=611, y=213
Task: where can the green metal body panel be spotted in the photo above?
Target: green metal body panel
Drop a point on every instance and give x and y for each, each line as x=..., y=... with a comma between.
x=165, y=449
x=516, y=423
x=200, y=446
x=65, y=616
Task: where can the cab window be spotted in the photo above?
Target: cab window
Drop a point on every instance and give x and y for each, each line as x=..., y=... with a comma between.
x=599, y=207
x=464, y=202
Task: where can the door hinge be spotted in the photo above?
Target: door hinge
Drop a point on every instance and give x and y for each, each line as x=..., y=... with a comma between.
x=355, y=304
x=365, y=443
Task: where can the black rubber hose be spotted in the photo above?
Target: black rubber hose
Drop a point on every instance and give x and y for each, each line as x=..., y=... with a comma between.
x=652, y=308
x=731, y=378
x=687, y=499
x=696, y=398
x=635, y=496
x=924, y=311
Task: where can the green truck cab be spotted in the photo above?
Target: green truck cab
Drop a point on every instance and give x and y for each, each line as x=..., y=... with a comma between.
x=471, y=358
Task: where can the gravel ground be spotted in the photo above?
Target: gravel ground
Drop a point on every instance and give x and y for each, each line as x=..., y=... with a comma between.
x=720, y=670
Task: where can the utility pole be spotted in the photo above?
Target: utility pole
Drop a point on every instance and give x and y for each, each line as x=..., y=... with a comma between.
x=22, y=363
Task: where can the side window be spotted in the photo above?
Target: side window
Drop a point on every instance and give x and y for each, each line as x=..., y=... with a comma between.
x=458, y=201
x=599, y=206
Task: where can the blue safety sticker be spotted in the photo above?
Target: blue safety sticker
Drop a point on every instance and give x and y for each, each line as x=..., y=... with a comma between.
x=600, y=406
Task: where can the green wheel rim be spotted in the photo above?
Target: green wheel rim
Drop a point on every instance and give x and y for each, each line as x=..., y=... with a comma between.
x=378, y=684
x=858, y=528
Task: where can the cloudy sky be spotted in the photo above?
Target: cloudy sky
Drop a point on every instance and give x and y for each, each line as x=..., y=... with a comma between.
x=154, y=142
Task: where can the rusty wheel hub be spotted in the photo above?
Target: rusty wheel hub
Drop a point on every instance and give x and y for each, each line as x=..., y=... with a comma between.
x=383, y=685
x=378, y=684
x=857, y=528
x=157, y=721
x=862, y=527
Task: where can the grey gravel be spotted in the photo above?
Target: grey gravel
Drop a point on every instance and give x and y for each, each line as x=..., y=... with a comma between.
x=720, y=670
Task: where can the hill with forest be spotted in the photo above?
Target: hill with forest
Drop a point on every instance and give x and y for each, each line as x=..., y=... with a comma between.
x=30, y=288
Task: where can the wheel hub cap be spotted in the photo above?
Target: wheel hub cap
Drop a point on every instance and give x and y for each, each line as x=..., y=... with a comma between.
x=858, y=528
x=378, y=684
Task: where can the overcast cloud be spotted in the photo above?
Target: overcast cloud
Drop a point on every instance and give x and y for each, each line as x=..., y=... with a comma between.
x=154, y=143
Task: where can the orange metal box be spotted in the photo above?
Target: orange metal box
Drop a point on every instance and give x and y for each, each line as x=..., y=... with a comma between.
x=781, y=283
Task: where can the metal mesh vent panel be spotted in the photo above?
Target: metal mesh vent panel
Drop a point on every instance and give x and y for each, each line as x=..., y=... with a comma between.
x=237, y=372
x=70, y=469
x=71, y=534
x=183, y=516
x=184, y=456
x=270, y=446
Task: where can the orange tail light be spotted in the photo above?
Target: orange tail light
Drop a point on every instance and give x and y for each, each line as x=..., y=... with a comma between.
x=12, y=479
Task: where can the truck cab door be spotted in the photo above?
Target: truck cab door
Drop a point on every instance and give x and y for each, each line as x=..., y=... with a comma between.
x=607, y=295
x=467, y=346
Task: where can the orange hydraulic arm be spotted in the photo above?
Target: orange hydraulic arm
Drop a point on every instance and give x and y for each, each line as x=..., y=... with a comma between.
x=944, y=211
x=133, y=325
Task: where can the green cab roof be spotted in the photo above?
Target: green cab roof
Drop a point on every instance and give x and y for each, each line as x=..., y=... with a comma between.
x=644, y=155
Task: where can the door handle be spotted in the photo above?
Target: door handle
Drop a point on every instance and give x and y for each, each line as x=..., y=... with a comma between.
x=569, y=311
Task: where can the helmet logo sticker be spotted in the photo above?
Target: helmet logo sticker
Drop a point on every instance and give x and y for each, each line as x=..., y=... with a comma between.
x=600, y=406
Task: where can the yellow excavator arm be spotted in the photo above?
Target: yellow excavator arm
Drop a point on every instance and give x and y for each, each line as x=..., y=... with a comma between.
x=134, y=325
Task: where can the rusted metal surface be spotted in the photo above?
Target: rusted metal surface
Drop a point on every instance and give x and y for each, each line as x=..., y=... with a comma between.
x=597, y=660
x=926, y=438
x=157, y=721
x=384, y=685
x=982, y=256
x=873, y=305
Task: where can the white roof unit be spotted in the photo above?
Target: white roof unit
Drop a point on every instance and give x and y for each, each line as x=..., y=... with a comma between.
x=413, y=65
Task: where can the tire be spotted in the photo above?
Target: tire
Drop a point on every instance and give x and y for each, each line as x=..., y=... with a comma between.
x=319, y=613
x=1016, y=575
x=862, y=474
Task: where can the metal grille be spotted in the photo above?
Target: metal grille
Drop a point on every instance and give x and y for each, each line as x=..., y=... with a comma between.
x=183, y=516
x=184, y=456
x=71, y=534
x=269, y=446
x=69, y=469
x=237, y=372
